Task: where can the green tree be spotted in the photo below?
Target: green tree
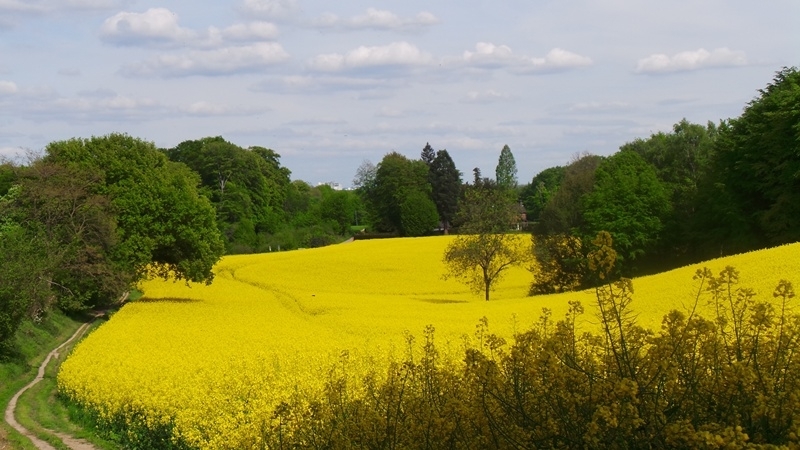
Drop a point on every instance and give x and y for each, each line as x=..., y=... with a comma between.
x=562, y=213
x=480, y=256
x=246, y=186
x=24, y=292
x=418, y=215
x=77, y=229
x=540, y=190
x=629, y=202
x=445, y=182
x=506, y=171
x=165, y=228
x=428, y=155
x=682, y=161
x=396, y=177
x=758, y=166
x=339, y=207
x=559, y=249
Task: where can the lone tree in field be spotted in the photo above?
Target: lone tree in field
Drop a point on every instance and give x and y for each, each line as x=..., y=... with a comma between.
x=480, y=256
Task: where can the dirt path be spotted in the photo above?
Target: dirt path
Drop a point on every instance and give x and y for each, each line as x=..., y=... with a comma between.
x=69, y=441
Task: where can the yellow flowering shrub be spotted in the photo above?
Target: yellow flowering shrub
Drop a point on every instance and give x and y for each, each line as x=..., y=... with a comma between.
x=209, y=365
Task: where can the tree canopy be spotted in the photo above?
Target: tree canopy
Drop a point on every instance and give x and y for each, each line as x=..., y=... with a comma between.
x=396, y=178
x=164, y=226
x=445, y=182
x=506, y=170
x=627, y=201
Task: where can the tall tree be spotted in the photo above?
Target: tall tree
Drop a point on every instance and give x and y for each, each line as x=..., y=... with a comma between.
x=165, y=227
x=758, y=163
x=24, y=291
x=428, y=155
x=562, y=213
x=77, y=229
x=538, y=192
x=396, y=177
x=364, y=183
x=506, y=171
x=682, y=161
x=477, y=178
x=446, y=183
x=627, y=201
x=246, y=186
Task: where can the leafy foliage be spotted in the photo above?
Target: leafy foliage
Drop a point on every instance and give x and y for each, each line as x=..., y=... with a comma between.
x=396, y=177
x=479, y=256
x=445, y=182
x=164, y=227
x=538, y=192
x=628, y=201
x=758, y=162
x=480, y=260
x=77, y=230
x=506, y=170
x=418, y=215
x=563, y=213
x=682, y=161
x=24, y=293
x=246, y=186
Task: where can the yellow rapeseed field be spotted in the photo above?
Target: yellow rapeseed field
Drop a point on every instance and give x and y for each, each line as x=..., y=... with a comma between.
x=212, y=362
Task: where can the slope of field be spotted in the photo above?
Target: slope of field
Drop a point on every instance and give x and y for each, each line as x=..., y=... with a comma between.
x=210, y=363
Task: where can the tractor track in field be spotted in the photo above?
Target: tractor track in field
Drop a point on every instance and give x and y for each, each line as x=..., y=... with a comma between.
x=69, y=441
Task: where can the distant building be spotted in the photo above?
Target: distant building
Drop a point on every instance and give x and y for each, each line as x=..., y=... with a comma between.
x=334, y=185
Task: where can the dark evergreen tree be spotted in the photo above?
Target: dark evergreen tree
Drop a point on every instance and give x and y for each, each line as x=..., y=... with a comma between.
x=445, y=182
x=428, y=155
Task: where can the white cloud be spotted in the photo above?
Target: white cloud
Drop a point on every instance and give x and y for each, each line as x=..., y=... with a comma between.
x=221, y=61
x=159, y=26
x=561, y=59
x=489, y=55
x=252, y=31
x=691, y=60
x=377, y=19
x=156, y=25
x=394, y=54
x=8, y=87
x=271, y=9
x=489, y=96
x=204, y=108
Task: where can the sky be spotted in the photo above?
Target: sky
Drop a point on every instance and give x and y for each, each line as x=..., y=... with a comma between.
x=329, y=85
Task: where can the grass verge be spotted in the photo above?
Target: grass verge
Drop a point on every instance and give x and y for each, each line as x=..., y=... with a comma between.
x=39, y=407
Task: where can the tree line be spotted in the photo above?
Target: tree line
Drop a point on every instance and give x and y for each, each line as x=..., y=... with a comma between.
x=679, y=197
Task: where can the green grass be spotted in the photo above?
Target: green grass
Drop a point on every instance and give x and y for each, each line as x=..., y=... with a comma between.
x=39, y=407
